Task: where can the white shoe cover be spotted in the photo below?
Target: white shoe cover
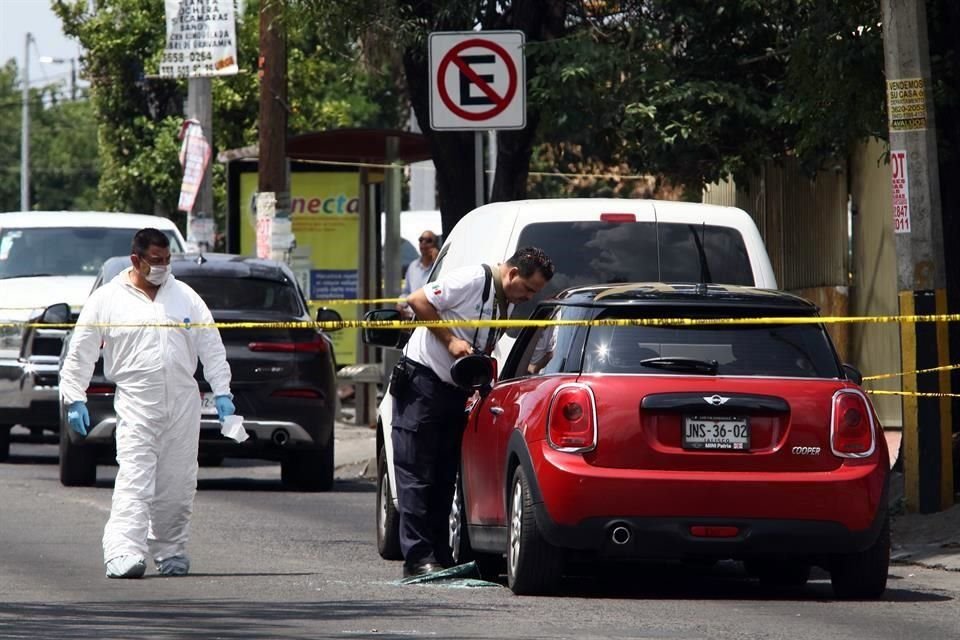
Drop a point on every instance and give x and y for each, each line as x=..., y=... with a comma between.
x=126, y=567
x=174, y=566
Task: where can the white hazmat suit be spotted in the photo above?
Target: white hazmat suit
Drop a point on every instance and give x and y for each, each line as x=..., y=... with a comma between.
x=157, y=404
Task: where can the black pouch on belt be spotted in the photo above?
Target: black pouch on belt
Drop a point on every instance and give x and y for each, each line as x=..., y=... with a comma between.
x=399, y=378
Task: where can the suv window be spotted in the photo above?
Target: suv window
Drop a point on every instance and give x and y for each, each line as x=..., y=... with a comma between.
x=64, y=251
x=609, y=252
x=797, y=350
x=246, y=294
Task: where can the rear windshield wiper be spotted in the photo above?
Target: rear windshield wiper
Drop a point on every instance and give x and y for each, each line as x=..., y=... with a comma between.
x=691, y=365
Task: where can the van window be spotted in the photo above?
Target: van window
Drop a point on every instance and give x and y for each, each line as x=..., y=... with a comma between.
x=60, y=251
x=609, y=252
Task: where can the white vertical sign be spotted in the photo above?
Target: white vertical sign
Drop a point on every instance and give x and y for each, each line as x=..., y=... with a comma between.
x=201, y=39
x=900, y=189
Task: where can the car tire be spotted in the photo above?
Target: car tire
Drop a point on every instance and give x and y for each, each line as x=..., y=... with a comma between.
x=778, y=572
x=78, y=463
x=308, y=470
x=388, y=520
x=5, y=441
x=490, y=566
x=863, y=575
x=534, y=566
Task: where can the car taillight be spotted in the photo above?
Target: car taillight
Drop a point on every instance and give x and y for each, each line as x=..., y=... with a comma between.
x=99, y=389
x=618, y=217
x=853, y=434
x=295, y=393
x=572, y=419
x=317, y=345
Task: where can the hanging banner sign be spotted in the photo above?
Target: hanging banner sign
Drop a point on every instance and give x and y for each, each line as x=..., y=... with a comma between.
x=201, y=39
x=194, y=156
x=900, y=188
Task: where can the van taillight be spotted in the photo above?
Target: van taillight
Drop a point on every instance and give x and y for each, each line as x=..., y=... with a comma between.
x=100, y=389
x=618, y=217
x=853, y=434
x=572, y=419
x=317, y=345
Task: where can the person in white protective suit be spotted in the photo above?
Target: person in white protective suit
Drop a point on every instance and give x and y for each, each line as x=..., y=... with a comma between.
x=157, y=402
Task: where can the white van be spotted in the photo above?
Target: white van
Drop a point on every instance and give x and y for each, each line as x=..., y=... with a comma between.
x=590, y=241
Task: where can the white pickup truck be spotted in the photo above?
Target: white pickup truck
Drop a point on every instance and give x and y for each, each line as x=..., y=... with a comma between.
x=50, y=257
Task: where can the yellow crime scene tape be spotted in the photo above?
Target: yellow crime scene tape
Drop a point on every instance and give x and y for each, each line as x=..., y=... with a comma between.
x=343, y=301
x=509, y=324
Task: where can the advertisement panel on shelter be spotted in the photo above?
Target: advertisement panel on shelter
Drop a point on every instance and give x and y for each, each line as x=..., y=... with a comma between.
x=325, y=223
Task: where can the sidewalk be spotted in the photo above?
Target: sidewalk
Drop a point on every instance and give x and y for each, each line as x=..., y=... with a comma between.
x=929, y=540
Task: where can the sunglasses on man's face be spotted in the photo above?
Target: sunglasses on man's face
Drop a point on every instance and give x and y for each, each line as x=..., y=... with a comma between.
x=426, y=240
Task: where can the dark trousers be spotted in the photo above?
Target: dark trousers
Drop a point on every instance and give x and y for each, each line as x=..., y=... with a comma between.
x=427, y=428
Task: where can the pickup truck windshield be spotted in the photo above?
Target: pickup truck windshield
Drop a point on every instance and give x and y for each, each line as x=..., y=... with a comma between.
x=58, y=251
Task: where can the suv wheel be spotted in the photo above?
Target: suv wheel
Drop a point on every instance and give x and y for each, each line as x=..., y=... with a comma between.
x=5, y=441
x=388, y=520
x=534, y=566
x=863, y=574
x=308, y=470
x=78, y=463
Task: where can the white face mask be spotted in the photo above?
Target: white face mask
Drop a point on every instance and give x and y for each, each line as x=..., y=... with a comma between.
x=157, y=275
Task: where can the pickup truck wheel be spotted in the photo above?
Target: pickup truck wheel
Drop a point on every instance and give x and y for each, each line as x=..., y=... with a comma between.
x=5, y=441
x=308, y=470
x=78, y=463
x=388, y=520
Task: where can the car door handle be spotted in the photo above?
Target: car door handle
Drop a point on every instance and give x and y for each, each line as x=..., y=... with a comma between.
x=495, y=410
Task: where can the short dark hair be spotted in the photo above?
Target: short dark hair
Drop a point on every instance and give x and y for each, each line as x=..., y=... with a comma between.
x=530, y=260
x=145, y=238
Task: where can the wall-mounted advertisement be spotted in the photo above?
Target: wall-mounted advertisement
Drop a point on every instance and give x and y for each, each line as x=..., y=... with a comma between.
x=324, y=218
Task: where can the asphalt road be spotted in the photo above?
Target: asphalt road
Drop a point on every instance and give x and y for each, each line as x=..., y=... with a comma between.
x=269, y=563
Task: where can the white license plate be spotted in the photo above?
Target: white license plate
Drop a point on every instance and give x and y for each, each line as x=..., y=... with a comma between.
x=728, y=433
x=208, y=404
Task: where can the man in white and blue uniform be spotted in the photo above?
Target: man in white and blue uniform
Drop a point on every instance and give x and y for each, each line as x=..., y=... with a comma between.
x=428, y=407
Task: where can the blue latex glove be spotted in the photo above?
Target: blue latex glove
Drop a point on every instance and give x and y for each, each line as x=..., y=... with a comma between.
x=78, y=417
x=224, y=407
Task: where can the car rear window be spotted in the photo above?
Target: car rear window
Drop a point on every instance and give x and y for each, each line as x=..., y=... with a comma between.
x=609, y=252
x=246, y=294
x=64, y=251
x=789, y=350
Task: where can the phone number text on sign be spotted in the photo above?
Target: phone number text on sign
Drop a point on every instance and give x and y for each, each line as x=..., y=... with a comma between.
x=900, y=189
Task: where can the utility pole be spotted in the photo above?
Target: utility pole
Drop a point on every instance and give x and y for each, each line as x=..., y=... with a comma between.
x=273, y=191
x=921, y=273
x=200, y=108
x=25, y=129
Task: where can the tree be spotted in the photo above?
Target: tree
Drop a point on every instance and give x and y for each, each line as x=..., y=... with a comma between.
x=63, y=147
x=140, y=115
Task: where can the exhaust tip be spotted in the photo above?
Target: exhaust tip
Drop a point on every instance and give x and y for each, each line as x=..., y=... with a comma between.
x=280, y=437
x=620, y=535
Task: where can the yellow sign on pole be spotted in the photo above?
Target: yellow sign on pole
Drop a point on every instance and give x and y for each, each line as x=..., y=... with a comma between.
x=907, y=104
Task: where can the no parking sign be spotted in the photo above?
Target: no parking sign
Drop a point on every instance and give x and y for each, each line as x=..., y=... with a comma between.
x=477, y=80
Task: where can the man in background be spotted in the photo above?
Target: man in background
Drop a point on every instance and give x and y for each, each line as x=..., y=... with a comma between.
x=418, y=270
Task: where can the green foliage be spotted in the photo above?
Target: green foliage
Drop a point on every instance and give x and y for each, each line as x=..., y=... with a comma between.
x=64, y=167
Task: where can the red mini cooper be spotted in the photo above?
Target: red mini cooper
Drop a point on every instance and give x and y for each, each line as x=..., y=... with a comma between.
x=620, y=440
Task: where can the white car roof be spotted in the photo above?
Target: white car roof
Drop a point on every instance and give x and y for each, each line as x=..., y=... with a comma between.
x=546, y=209
x=26, y=219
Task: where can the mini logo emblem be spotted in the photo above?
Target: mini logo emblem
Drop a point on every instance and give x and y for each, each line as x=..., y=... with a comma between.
x=806, y=451
x=715, y=400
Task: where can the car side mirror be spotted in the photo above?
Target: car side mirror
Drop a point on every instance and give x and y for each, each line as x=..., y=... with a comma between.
x=387, y=337
x=325, y=314
x=852, y=373
x=56, y=314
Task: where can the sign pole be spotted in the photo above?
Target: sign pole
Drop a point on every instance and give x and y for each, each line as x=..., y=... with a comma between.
x=478, y=164
x=918, y=233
